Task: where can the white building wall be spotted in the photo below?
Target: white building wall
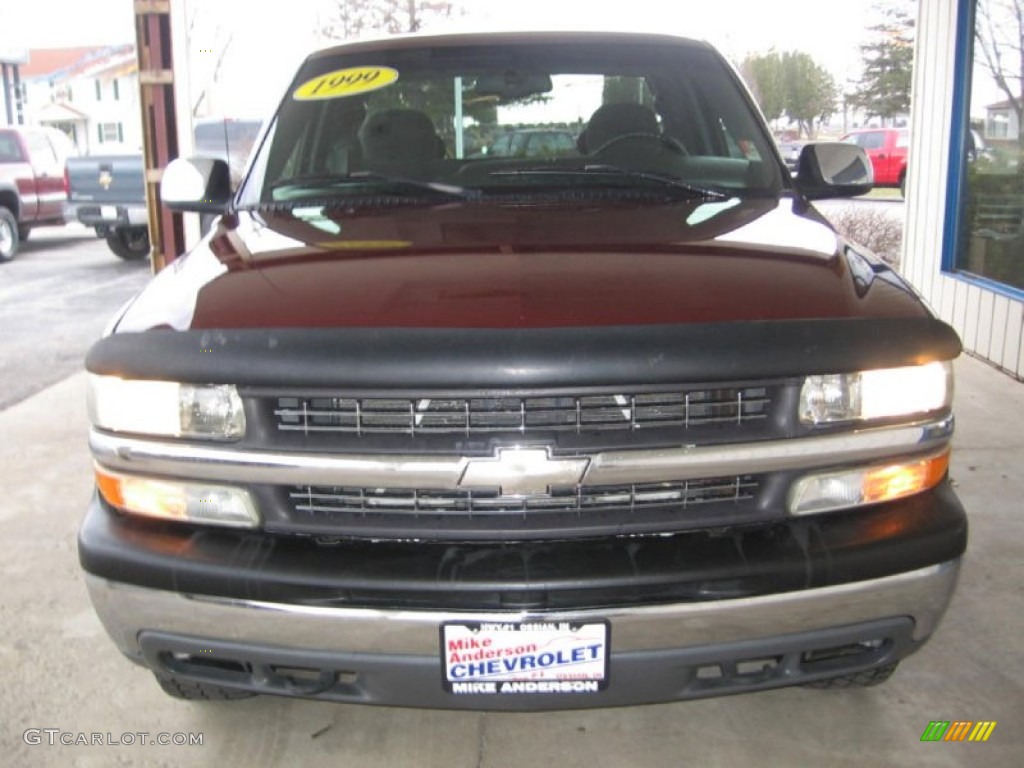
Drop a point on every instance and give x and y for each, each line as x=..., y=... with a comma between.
x=990, y=323
x=124, y=109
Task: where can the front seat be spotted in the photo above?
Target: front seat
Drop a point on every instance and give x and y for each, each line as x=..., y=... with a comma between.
x=399, y=140
x=615, y=121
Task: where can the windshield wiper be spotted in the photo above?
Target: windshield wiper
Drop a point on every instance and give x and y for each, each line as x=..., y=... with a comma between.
x=319, y=182
x=591, y=171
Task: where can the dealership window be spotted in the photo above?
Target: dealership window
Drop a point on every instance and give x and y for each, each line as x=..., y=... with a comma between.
x=988, y=157
x=117, y=95
x=99, y=91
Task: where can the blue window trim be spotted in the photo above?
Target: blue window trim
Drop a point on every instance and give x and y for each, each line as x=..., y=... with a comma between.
x=957, y=164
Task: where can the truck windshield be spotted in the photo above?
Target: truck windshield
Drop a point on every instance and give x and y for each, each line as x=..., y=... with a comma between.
x=514, y=119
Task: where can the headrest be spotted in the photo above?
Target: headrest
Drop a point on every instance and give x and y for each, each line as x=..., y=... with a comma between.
x=395, y=136
x=612, y=120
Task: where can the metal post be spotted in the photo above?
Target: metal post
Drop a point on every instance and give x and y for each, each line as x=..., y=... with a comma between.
x=17, y=95
x=159, y=123
x=7, y=95
x=459, y=127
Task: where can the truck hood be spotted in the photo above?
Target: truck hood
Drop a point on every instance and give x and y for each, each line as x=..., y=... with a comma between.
x=479, y=266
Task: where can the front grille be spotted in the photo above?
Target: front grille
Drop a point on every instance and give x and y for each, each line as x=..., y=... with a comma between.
x=478, y=415
x=327, y=503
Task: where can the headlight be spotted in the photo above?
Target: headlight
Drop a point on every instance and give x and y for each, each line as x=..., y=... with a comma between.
x=876, y=394
x=826, y=491
x=195, y=502
x=166, y=408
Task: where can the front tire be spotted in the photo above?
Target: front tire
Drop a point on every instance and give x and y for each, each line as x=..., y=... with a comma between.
x=129, y=244
x=9, y=239
x=185, y=689
x=857, y=680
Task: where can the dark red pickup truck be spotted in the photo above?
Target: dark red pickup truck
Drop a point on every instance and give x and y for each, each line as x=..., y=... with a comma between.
x=33, y=186
x=415, y=425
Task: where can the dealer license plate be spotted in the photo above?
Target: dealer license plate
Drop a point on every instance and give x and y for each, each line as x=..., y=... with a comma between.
x=524, y=657
x=108, y=212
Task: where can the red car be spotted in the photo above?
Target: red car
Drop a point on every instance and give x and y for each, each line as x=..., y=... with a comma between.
x=887, y=149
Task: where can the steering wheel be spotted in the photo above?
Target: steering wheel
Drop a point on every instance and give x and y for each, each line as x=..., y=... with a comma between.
x=642, y=141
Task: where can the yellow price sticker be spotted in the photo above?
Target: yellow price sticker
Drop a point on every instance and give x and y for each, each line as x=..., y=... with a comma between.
x=345, y=82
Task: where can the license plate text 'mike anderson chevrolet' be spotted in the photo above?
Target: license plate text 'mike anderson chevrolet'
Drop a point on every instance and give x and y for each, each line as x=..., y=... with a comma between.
x=555, y=657
x=520, y=373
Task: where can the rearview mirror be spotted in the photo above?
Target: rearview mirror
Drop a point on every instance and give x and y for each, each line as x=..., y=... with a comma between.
x=196, y=185
x=833, y=169
x=511, y=86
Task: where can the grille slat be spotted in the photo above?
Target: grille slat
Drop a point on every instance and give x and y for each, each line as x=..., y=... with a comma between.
x=477, y=415
x=331, y=501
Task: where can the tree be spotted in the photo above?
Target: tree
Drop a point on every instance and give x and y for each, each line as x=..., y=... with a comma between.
x=763, y=73
x=810, y=91
x=999, y=33
x=791, y=83
x=353, y=18
x=887, y=63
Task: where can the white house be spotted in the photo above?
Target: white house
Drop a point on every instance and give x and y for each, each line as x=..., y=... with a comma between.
x=1001, y=122
x=90, y=93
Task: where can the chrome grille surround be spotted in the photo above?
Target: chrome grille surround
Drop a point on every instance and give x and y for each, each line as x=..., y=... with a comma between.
x=607, y=491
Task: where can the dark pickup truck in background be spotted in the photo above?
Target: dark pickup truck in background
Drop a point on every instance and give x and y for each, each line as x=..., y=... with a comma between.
x=33, y=185
x=108, y=192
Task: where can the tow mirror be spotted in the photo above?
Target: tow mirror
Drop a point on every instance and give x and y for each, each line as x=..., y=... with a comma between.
x=833, y=169
x=196, y=185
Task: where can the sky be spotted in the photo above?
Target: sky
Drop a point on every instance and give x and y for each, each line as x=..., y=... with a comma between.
x=269, y=39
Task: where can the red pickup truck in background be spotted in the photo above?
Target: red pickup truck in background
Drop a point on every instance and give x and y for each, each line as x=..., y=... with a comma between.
x=33, y=187
x=887, y=150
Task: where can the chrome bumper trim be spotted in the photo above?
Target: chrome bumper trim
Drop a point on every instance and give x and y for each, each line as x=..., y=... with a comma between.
x=225, y=464
x=127, y=610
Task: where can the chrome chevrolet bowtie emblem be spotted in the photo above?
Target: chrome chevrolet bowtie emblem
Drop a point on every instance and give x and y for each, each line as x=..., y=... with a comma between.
x=523, y=472
x=106, y=179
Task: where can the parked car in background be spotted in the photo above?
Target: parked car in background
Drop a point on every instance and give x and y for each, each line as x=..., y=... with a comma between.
x=978, y=148
x=887, y=150
x=790, y=151
x=107, y=191
x=534, y=142
x=33, y=186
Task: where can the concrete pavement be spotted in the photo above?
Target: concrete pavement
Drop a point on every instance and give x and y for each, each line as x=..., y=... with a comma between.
x=56, y=297
x=59, y=670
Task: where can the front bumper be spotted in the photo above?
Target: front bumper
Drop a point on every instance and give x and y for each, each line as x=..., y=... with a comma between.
x=108, y=217
x=761, y=607
x=660, y=653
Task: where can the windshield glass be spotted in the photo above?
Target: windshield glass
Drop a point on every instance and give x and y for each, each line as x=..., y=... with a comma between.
x=513, y=118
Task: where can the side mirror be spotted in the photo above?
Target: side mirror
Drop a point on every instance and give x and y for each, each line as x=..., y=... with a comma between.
x=196, y=185
x=833, y=169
